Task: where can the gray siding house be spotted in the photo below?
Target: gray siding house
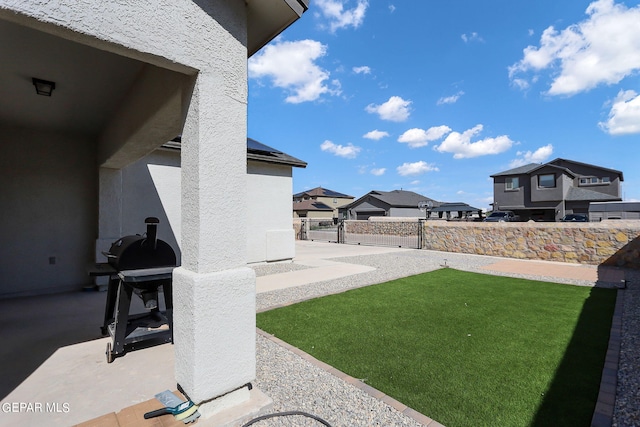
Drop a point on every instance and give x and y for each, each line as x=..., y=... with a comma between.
x=396, y=203
x=547, y=192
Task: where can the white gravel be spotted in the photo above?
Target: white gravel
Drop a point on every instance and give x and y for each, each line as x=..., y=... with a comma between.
x=627, y=408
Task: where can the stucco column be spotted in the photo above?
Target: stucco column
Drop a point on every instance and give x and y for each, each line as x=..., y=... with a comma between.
x=109, y=215
x=214, y=291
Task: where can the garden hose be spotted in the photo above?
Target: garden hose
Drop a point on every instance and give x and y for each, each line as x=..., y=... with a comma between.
x=284, y=414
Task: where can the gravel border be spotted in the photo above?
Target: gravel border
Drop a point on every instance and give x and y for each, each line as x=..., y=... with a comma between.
x=296, y=383
x=627, y=404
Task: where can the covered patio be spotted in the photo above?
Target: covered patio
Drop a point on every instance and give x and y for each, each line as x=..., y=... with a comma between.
x=123, y=79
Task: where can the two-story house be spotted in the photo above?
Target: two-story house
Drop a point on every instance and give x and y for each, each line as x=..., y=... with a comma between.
x=547, y=192
x=319, y=203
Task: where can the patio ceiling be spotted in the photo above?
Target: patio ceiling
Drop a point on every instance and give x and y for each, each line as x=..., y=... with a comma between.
x=91, y=83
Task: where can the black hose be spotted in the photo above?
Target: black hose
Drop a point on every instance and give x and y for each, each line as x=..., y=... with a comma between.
x=284, y=414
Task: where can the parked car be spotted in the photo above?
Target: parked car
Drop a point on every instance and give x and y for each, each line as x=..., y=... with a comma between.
x=502, y=216
x=575, y=218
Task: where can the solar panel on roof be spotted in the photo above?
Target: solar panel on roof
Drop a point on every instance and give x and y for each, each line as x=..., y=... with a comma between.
x=254, y=145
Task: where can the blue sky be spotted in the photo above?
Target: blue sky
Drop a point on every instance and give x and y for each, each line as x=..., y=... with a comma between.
x=434, y=96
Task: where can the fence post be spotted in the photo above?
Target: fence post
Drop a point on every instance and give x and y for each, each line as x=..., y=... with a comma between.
x=421, y=235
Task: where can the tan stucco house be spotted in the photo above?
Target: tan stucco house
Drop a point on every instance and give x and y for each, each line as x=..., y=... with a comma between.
x=319, y=203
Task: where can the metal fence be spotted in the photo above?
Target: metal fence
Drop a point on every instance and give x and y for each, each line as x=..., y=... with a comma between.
x=324, y=230
x=400, y=233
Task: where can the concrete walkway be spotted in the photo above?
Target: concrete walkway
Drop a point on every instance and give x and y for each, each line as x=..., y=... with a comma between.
x=53, y=353
x=320, y=260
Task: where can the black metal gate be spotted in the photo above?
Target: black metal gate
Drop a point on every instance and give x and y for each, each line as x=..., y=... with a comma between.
x=324, y=230
x=397, y=233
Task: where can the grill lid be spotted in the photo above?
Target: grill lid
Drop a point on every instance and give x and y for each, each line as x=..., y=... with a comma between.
x=138, y=252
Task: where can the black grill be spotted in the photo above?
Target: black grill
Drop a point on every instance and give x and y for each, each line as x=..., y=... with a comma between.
x=139, y=264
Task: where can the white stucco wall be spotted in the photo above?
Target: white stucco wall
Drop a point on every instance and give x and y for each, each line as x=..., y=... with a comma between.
x=149, y=187
x=152, y=187
x=48, y=199
x=270, y=217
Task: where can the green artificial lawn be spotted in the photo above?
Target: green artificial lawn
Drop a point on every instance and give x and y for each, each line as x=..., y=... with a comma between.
x=462, y=348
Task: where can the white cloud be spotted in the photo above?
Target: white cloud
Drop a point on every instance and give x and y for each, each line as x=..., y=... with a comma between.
x=362, y=70
x=624, y=117
x=538, y=156
x=392, y=8
x=348, y=151
x=603, y=49
x=471, y=37
x=450, y=99
x=461, y=146
x=338, y=17
x=417, y=168
x=395, y=109
x=417, y=137
x=415, y=182
x=291, y=66
x=378, y=171
x=376, y=135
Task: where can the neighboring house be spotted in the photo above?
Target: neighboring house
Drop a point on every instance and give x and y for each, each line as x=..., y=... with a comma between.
x=547, y=192
x=455, y=210
x=396, y=203
x=319, y=203
x=311, y=209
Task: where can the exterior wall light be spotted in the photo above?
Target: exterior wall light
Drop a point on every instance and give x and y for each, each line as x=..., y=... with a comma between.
x=43, y=87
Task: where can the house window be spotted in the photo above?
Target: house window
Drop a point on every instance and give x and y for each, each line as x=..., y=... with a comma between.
x=512, y=184
x=335, y=201
x=606, y=180
x=590, y=180
x=547, y=181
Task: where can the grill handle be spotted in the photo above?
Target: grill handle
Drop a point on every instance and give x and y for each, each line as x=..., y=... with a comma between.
x=152, y=231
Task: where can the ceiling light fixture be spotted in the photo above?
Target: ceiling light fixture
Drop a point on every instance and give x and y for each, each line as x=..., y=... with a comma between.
x=43, y=87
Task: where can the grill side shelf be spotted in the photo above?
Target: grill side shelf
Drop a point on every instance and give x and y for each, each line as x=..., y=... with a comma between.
x=145, y=274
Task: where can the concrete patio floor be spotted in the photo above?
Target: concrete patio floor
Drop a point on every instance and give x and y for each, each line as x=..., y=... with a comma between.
x=53, y=353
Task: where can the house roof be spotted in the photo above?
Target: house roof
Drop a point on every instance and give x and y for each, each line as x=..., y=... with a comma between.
x=561, y=160
x=255, y=151
x=322, y=192
x=520, y=170
x=559, y=163
x=455, y=206
x=582, y=194
x=259, y=151
x=401, y=198
x=396, y=198
x=311, y=205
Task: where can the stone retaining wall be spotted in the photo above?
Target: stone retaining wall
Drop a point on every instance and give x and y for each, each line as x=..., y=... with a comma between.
x=614, y=243
x=611, y=243
x=386, y=228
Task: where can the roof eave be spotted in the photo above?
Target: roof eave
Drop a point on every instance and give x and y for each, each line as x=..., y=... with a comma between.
x=266, y=19
x=288, y=162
